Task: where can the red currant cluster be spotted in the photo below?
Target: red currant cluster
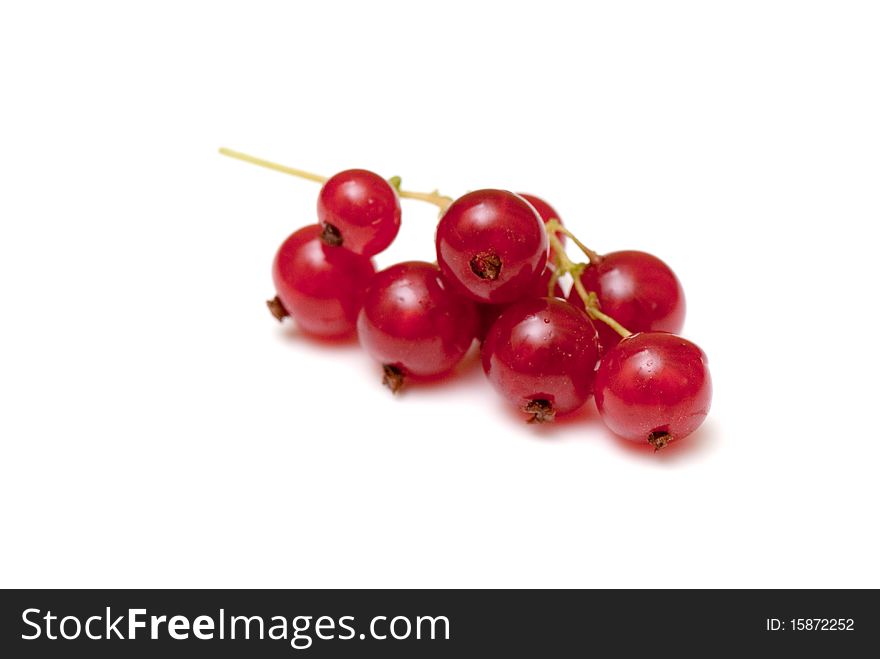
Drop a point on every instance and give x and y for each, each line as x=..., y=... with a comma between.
x=500, y=261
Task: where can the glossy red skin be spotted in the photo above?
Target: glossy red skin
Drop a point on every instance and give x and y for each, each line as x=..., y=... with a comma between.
x=363, y=207
x=546, y=213
x=638, y=290
x=489, y=312
x=542, y=349
x=653, y=382
x=412, y=320
x=321, y=287
x=496, y=222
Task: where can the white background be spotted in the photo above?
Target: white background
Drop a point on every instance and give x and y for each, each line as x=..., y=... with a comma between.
x=159, y=428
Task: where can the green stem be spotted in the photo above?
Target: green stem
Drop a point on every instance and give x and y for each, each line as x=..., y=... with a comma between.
x=238, y=155
x=565, y=265
x=591, y=304
x=555, y=226
x=562, y=260
x=441, y=201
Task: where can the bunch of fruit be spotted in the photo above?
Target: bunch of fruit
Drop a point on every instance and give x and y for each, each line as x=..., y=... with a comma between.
x=501, y=258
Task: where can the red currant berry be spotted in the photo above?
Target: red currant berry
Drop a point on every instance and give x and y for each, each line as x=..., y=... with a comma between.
x=638, y=290
x=541, y=355
x=413, y=323
x=546, y=212
x=653, y=388
x=359, y=210
x=489, y=312
x=491, y=246
x=321, y=287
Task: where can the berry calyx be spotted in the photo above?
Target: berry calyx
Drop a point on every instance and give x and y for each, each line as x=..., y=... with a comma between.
x=359, y=210
x=491, y=246
x=486, y=265
x=330, y=236
x=392, y=377
x=320, y=287
x=541, y=354
x=276, y=308
x=659, y=439
x=414, y=324
x=540, y=411
x=653, y=388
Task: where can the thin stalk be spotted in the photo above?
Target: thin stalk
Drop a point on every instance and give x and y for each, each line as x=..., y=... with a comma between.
x=591, y=304
x=592, y=308
x=284, y=169
x=439, y=200
x=556, y=227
